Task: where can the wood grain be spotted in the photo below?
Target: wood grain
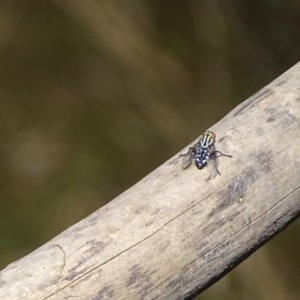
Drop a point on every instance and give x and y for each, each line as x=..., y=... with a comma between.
x=176, y=232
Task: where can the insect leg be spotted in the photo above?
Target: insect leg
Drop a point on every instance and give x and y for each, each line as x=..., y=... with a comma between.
x=220, y=154
x=215, y=155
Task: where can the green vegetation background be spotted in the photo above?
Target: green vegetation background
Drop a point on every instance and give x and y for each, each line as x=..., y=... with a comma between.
x=96, y=94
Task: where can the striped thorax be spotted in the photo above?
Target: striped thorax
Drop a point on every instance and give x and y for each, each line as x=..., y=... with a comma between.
x=207, y=139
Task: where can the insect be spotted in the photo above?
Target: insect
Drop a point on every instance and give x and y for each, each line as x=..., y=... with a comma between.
x=202, y=152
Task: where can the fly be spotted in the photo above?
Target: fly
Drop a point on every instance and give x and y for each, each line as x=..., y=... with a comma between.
x=202, y=152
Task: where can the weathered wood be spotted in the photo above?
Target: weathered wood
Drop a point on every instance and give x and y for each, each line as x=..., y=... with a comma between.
x=176, y=232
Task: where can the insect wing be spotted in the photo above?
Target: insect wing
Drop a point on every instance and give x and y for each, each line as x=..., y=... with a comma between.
x=188, y=158
x=212, y=166
x=186, y=161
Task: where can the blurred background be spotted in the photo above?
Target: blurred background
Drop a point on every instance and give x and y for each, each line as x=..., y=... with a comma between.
x=96, y=94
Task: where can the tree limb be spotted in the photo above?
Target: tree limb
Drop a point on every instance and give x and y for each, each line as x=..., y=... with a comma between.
x=177, y=231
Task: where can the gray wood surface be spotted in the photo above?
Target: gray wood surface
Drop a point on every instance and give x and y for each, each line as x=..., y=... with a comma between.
x=177, y=231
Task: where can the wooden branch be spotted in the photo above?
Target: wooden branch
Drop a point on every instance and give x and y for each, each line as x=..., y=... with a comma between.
x=176, y=232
